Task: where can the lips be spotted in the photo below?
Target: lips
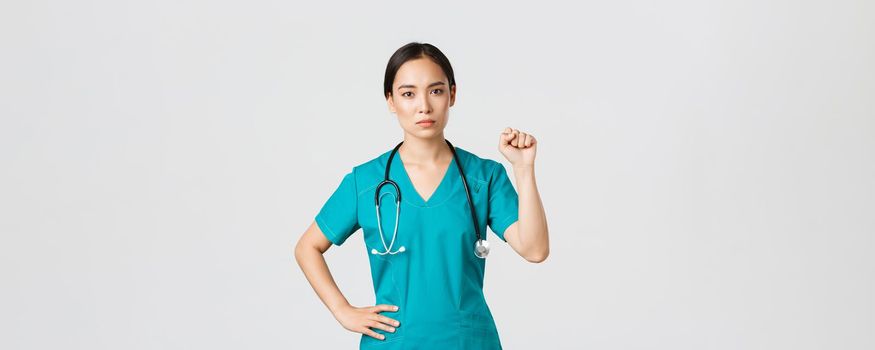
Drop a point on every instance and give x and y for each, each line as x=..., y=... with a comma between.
x=425, y=121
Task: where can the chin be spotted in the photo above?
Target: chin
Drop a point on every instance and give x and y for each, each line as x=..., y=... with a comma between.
x=427, y=134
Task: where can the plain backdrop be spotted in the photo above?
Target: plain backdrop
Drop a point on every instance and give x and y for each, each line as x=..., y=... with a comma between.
x=706, y=167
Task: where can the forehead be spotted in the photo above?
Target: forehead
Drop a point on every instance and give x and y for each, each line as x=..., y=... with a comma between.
x=420, y=72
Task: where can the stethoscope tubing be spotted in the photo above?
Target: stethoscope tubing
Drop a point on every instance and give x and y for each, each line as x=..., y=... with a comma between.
x=387, y=181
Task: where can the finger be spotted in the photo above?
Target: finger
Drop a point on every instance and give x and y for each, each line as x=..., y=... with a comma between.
x=384, y=307
x=531, y=141
x=505, y=137
x=383, y=326
x=516, y=140
x=528, y=140
x=372, y=334
x=507, y=142
x=520, y=139
x=386, y=320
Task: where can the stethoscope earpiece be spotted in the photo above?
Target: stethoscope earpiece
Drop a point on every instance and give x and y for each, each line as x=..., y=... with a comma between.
x=400, y=250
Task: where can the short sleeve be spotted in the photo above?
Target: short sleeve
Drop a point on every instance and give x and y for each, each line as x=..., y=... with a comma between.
x=503, y=201
x=338, y=218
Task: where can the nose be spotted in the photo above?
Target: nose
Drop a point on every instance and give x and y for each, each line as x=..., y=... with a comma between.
x=424, y=105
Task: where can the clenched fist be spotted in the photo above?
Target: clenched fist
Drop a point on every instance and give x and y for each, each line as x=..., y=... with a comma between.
x=518, y=147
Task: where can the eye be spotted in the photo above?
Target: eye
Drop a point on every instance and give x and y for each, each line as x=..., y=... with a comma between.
x=438, y=91
x=405, y=94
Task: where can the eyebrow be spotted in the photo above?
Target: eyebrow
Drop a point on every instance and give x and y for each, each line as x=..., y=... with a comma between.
x=429, y=85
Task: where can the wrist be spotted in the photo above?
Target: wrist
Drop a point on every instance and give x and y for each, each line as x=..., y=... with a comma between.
x=523, y=167
x=339, y=306
x=523, y=173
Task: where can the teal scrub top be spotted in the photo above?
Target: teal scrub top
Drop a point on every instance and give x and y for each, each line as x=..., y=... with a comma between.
x=437, y=282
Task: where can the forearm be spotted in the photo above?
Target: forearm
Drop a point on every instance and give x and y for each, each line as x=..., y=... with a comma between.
x=532, y=222
x=313, y=264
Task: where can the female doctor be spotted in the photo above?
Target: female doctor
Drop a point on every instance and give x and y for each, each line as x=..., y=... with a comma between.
x=427, y=248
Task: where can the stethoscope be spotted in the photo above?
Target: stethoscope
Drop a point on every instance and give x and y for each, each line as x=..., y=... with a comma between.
x=481, y=246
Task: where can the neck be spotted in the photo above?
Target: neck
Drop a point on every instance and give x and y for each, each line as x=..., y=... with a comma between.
x=425, y=151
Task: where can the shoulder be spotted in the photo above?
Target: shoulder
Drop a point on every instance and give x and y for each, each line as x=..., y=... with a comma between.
x=369, y=173
x=478, y=167
x=373, y=164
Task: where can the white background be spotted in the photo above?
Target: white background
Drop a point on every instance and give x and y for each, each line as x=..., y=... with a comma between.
x=706, y=167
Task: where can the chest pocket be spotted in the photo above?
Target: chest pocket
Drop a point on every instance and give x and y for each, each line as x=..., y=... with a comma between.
x=476, y=185
x=480, y=198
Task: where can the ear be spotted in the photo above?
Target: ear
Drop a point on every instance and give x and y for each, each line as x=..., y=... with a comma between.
x=452, y=95
x=390, y=103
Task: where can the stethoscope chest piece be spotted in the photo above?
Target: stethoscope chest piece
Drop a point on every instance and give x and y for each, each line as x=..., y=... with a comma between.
x=481, y=248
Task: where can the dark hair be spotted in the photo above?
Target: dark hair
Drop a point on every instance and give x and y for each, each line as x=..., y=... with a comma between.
x=412, y=51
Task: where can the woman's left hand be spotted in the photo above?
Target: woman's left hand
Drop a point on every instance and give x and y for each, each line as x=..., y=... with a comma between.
x=518, y=147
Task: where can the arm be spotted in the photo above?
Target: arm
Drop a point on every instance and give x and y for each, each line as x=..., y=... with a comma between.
x=309, y=254
x=529, y=235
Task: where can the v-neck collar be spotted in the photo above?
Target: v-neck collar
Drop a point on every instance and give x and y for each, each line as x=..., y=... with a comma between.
x=411, y=196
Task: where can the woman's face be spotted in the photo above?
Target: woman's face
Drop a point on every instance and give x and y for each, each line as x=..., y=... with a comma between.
x=421, y=92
